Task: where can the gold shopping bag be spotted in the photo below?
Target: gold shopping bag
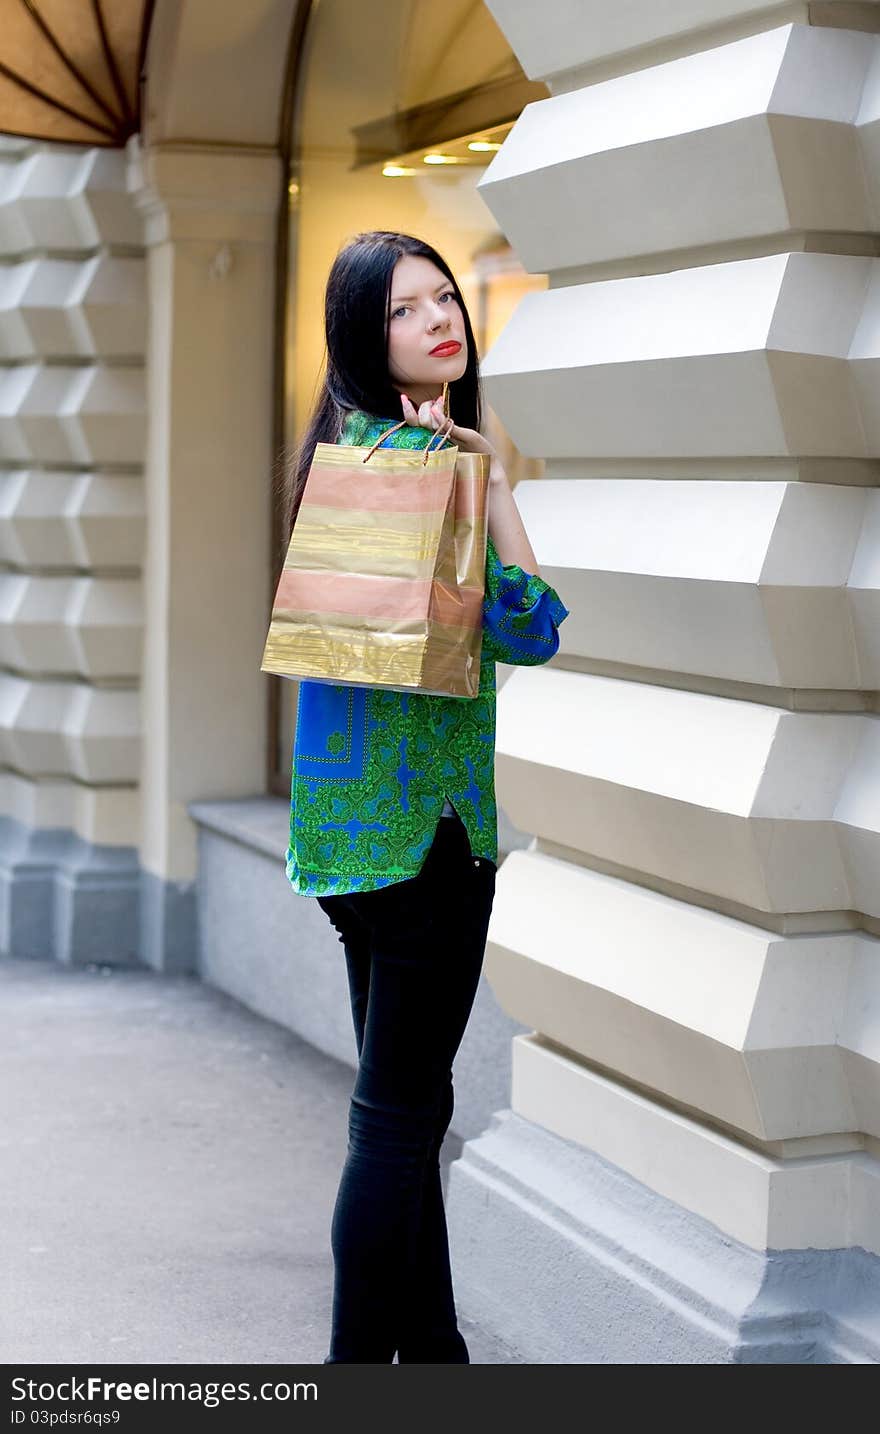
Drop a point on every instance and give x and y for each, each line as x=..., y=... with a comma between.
x=383, y=581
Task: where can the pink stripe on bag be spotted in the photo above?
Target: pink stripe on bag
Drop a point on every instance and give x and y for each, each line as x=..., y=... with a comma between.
x=377, y=597
x=363, y=486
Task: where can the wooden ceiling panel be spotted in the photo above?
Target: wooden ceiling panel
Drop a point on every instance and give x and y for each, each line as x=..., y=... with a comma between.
x=70, y=69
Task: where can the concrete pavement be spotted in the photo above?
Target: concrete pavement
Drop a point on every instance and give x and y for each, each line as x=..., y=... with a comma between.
x=167, y=1177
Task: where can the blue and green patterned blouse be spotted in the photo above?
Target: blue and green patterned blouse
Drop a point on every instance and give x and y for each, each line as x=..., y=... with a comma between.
x=371, y=767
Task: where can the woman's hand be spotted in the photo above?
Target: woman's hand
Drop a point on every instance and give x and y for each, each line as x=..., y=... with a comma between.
x=430, y=415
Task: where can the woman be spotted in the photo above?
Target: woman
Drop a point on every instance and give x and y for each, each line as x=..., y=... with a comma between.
x=393, y=817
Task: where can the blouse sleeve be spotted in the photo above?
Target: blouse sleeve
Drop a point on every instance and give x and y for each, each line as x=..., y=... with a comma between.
x=521, y=613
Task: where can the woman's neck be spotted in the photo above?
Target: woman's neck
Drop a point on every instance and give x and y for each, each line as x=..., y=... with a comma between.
x=419, y=393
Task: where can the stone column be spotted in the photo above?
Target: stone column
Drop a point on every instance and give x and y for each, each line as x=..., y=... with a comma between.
x=689, y=1170
x=72, y=333
x=209, y=217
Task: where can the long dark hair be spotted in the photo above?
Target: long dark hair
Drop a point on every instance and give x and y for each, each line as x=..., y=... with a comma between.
x=356, y=375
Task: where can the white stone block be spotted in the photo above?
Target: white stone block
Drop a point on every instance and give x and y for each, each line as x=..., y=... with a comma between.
x=106, y=520
x=31, y=720
x=40, y=802
x=33, y=530
x=88, y=415
x=104, y=415
x=12, y=146
x=16, y=385
x=69, y=519
x=102, y=734
x=58, y=198
x=16, y=235
x=776, y=584
x=771, y=810
x=54, y=308
x=42, y=193
x=75, y=627
x=565, y=35
x=811, y=1202
x=34, y=636
x=105, y=621
x=753, y=138
x=754, y=1029
x=58, y=729
x=711, y=362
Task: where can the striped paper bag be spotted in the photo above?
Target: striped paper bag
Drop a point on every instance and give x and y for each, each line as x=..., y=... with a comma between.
x=383, y=581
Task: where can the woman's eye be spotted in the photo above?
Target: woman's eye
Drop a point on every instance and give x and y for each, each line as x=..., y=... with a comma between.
x=449, y=294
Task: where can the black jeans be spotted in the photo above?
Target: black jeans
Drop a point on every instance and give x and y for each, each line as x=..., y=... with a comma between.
x=414, y=952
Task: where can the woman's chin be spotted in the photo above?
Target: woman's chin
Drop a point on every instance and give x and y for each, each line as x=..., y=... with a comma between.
x=446, y=368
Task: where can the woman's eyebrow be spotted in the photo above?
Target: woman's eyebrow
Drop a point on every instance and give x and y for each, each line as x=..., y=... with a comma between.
x=403, y=298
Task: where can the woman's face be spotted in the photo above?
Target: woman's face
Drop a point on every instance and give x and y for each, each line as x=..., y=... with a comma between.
x=424, y=313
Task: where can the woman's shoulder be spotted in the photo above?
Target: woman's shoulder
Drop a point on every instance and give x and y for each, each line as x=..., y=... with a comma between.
x=351, y=425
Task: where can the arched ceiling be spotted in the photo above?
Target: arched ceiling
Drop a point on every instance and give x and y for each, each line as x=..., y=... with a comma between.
x=216, y=69
x=70, y=69
x=213, y=70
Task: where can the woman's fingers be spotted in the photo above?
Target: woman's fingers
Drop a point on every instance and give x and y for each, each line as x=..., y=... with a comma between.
x=429, y=414
x=409, y=411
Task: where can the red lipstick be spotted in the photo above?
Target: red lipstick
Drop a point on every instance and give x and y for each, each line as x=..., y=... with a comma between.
x=449, y=346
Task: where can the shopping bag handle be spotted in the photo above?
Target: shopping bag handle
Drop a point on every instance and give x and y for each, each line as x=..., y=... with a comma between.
x=441, y=432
